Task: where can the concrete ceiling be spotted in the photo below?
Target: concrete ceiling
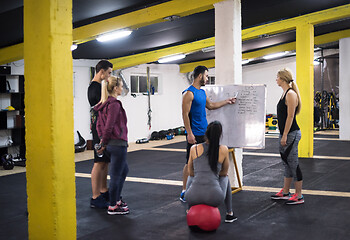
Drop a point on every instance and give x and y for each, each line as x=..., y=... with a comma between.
x=150, y=35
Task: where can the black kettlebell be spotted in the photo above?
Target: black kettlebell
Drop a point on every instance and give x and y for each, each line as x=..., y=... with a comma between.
x=7, y=162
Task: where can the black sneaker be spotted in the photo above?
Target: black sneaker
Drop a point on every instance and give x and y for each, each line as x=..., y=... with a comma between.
x=113, y=210
x=230, y=218
x=105, y=195
x=99, y=202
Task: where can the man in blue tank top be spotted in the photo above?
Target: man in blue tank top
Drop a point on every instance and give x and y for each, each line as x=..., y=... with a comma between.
x=194, y=115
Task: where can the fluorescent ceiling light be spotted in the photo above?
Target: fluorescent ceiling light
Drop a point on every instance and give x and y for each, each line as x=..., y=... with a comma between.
x=73, y=47
x=275, y=55
x=208, y=49
x=113, y=35
x=171, y=58
x=245, y=61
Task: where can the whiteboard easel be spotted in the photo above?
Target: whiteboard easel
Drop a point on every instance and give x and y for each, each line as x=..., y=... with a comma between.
x=239, y=188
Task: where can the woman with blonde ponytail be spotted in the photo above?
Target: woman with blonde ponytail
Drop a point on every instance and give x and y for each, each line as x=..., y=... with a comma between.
x=287, y=108
x=113, y=132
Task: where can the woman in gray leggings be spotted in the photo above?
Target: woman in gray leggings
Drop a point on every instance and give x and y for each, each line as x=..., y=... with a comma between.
x=287, y=108
x=208, y=165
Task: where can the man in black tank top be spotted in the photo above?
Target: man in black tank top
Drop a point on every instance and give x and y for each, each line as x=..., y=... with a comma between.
x=100, y=194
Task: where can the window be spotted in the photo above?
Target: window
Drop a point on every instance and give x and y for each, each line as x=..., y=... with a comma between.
x=139, y=84
x=211, y=80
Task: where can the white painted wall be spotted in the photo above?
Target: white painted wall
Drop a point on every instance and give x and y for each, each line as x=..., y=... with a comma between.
x=165, y=106
x=265, y=73
x=81, y=81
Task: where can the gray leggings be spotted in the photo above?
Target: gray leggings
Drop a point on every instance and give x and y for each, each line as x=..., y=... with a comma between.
x=289, y=155
x=212, y=196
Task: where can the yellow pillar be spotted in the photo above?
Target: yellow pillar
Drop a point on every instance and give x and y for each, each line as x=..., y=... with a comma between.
x=305, y=81
x=49, y=119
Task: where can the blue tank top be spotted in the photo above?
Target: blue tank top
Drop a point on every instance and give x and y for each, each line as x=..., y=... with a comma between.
x=198, y=115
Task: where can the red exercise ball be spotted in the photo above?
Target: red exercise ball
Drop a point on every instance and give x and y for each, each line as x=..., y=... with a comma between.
x=205, y=217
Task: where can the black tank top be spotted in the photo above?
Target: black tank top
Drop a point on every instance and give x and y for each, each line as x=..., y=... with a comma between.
x=282, y=115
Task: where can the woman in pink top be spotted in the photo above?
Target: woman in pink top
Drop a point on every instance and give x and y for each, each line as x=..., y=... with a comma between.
x=113, y=132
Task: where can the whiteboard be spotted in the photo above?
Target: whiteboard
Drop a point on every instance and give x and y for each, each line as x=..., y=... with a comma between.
x=243, y=123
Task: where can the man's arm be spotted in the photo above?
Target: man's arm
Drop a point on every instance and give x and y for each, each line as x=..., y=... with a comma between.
x=214, y=105
x=186, y=107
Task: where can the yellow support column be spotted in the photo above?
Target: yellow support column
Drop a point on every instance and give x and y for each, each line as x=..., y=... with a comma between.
x=49, y=119
x=305, y=81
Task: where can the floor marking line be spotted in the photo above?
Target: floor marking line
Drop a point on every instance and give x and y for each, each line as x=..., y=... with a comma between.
x=246, y=188
x=305, y=191
x=277, y=155
x=315, y=138
x=166, y=149
x=252, y=153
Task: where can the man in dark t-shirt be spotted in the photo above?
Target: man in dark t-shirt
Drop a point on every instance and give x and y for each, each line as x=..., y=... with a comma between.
x=99, y=172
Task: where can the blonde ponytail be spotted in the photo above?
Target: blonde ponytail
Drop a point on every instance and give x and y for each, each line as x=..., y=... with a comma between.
x=296, y=90
x=286, y=75
x=104, y=92
x=108, y=86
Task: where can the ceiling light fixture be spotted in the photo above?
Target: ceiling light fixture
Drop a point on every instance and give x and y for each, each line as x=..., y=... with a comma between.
x=114, y=35
x=275, y=55
x=208, y=49
x=73, y=47
x=171, y=58
x=171, y=18
x=245, y=61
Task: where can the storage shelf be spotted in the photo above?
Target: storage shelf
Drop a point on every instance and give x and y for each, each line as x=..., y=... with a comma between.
x=13, y=129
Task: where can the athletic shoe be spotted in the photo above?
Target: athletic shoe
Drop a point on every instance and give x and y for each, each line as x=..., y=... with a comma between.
x=230, y=218
x=99, y=202
x=182, y=196
x=295, y=199
x=122, y=204
x=113, y=210
x=105, y=195
x=281, y=196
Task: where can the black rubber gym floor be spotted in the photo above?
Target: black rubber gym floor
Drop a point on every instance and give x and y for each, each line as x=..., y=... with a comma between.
x=157, y=213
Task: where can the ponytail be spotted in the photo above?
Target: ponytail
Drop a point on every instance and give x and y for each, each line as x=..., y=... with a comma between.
x=104, y=91
x=108, y=86
x=296, y=90
x=213, y=134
